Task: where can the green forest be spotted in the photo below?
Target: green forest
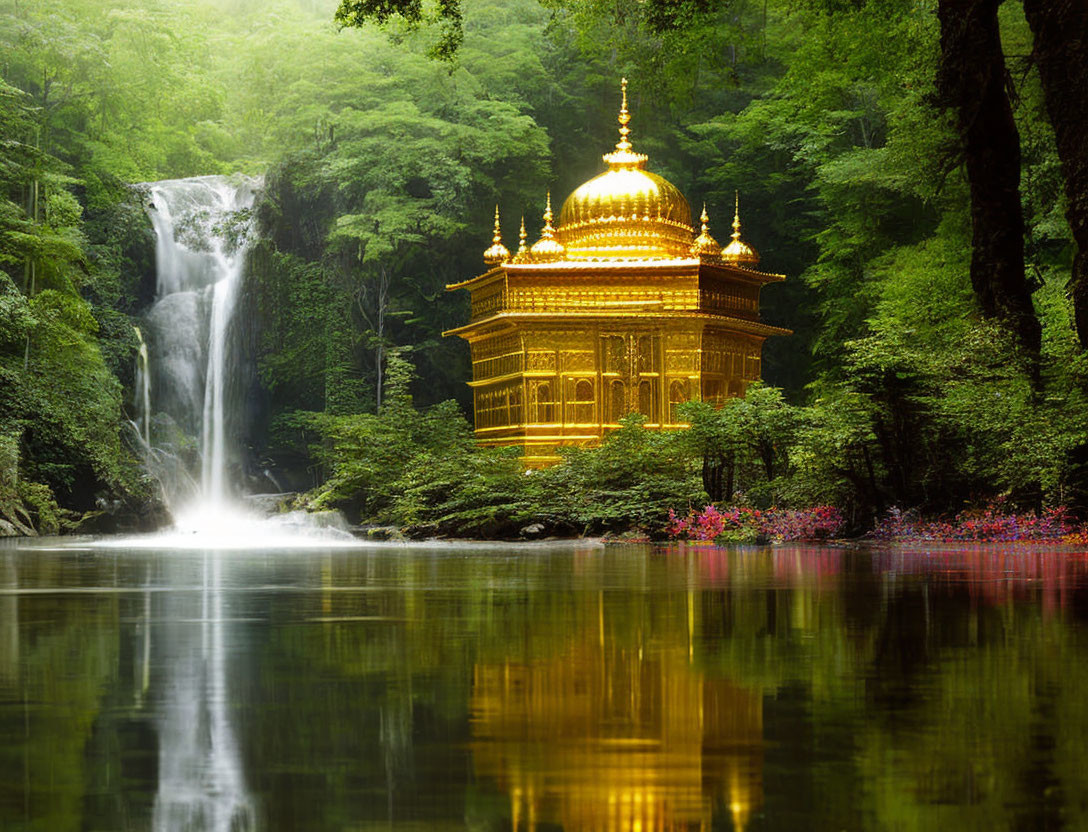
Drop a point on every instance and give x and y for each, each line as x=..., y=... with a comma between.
x=916, y=168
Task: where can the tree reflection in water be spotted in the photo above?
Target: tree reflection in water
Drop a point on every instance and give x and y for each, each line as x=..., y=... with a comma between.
x=574, y=687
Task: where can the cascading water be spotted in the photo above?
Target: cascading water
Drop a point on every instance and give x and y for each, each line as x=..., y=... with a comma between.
x=203, y=227
x=143, y=391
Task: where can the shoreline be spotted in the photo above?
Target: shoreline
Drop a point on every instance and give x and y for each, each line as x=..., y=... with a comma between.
x=169, y=540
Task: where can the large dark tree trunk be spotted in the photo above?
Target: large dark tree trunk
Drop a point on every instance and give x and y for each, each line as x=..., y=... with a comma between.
x=972, y=82
x=712, y=477
x=1060, y=28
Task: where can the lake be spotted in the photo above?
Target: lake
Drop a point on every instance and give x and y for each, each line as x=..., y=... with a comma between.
x=542, y=687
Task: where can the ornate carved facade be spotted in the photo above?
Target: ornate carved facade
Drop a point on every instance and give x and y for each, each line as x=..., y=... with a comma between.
x=620, y=309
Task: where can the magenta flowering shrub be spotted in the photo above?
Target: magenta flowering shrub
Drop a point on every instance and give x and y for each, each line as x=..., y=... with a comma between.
x=708, y=524
x=994, y=524
x=818, y=523
x=745, y=525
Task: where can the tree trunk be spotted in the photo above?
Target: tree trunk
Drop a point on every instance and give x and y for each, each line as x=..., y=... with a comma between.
x=971, y=81
x=712, y=477
x=874, y=486
x=766, y=456
x=379, y=352
x=1060, y=28
x=31, y=286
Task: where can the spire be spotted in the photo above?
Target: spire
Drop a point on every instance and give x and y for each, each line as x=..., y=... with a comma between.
x=523, y=255
x=705, y=246
x=624, y=119
x=497, y=253
x=623, y=156
x=547, y=247
x=738, y=251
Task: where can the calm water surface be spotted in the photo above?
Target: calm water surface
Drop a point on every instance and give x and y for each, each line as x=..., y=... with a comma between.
x=543, y=688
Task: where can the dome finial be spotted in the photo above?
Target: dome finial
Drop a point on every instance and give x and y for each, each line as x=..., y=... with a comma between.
x=705, y=246
x=497, y=253
x=623, y=156
x=523, y=255
x=547, y=247
x=624, y=119
x=738, y=251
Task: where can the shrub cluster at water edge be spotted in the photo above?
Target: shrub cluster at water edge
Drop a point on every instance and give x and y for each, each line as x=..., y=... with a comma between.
x=994, y=524
x=748, y=525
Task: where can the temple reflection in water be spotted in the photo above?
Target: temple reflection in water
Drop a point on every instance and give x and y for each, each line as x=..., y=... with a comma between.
x=423, y=691
x=618, y=739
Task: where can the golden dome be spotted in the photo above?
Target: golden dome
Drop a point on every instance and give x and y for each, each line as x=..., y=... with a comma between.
x=626, y=212
x=547, y=247
x=738, y=251
x=497, y=253
x=705, y=246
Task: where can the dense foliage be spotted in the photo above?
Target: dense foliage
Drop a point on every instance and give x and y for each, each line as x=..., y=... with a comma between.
x=382, y=168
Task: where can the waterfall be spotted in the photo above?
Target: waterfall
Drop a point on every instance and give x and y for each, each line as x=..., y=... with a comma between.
x=143, y=391
x=203, y=227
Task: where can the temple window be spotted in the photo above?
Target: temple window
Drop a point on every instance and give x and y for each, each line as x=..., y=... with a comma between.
x=617, y=401
x=545, y=403
x=646, y=362
x=580, y=402
x=679, y=392
x=647, y=400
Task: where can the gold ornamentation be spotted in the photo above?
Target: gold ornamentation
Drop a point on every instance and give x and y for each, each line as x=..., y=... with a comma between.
x=547, y=248
x=541, y=361
x=627, y=211
x=738, y=251
x=497, y=253
x=679, y=362
x=574, y=362
x=523, y=255
x=705, y=246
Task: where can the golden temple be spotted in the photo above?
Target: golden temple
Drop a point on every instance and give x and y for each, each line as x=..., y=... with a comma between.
x=620, y=308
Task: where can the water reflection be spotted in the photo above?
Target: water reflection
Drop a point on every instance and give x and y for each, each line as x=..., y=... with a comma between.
x=425, y=690
x=201, y=784
x=9, y=621
x=617, y=739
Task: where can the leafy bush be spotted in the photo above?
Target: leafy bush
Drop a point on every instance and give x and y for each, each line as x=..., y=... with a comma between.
x=41, y=506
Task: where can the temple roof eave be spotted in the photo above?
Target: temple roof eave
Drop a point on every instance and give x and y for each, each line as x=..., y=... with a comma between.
x=493, y=273
x=740, y=324
x=607, y=268
x=754, y=274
